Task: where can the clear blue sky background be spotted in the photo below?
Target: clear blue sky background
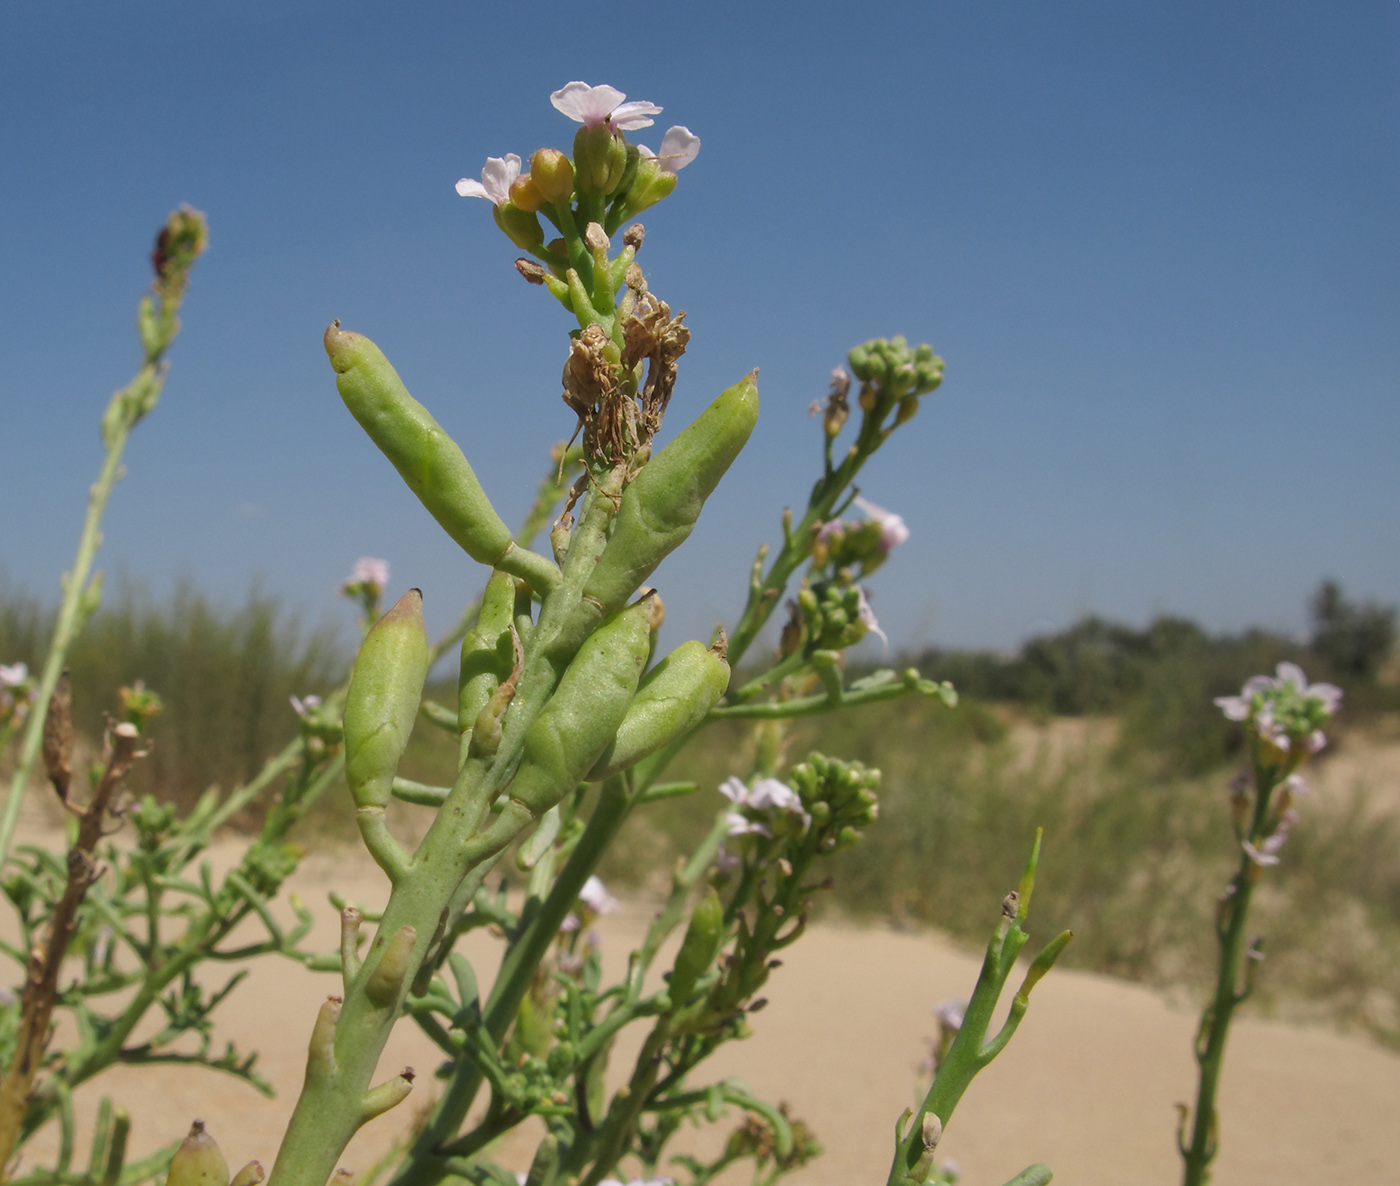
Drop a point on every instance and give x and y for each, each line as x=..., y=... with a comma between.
x=1157, y=244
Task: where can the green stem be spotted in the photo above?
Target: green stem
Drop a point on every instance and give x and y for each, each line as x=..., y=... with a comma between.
x=70, y=621
x=1215, y=1021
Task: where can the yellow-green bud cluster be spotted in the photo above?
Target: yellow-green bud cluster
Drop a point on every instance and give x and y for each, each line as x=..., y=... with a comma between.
x=893, y=376
x=840, y=797
x=831, y=616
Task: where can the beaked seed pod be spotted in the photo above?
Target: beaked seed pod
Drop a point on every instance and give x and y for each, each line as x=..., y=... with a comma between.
x=698, y=948
x=583, y=715
x=198, y=1161
x=660, y=507
x=382, y=701
x=672, y=699
x=425, y=456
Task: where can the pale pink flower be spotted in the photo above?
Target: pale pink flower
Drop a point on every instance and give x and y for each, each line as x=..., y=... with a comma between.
x=867, y=617
x=590, y=105
x=679, y=147
x=893, y=530
x=595, y=896
x=369, y=571
x=13, y=675
x=735, y=791
x=725, y=861
x=495, y=181
x=304, y=706
x=741, y=825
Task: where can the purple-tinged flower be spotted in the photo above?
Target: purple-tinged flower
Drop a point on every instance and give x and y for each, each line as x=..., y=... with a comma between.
x=1267, y=851
x=304, y=706
x=495, y=181
x=591, y=105
x=725, y=861
x=867, y=617
x=771, y=793
x=595, y=896
x=893, y=530
x=570, y=924
x=830, y=530
x=950, y=1014
x=368, y=571
x=735, y=791
x=1295, y=785
x=1329, y=695
x=14, y=675
x=741, y=825
x=679, y=147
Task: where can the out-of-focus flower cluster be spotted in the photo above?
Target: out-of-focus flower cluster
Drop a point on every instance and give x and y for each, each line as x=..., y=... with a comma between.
x=823, y=804
x=16, y=694
x=1284, y=713
x=365, y=586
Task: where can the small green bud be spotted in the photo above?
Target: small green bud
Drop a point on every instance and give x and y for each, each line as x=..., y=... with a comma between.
x=522, y=227
x=198, y=1161
x=672, y=699
x=553, y=175
x=386, y=688
x=600, y=159
x=385, y=982
x=649, y=186
x=660, y=507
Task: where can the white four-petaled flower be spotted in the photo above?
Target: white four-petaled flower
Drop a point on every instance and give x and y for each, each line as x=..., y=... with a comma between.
x=495, y=181
x=598, y=104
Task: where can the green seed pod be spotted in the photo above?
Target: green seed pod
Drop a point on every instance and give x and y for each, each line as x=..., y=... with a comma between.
x=486, y=650
x=198, y=1161
x=382, y=701
x=574, y=727
x=698, y=948
x=672, y=699
x=583, y=715
x=664, y=500
x=426, y=457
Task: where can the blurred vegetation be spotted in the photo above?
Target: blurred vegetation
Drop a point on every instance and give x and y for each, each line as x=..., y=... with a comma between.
x=224, y=676
x=1103, y=734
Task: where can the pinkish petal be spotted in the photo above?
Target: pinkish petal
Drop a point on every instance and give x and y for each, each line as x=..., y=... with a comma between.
x=679, y=147
x=498, y=174
x=1291, y=673
x=586, y=104
x=469, y=187
x=628, y=117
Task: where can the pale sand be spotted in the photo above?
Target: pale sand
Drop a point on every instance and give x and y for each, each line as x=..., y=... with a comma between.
x=1087, y=1085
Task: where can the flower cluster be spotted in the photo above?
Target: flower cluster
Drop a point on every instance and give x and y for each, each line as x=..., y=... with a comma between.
x=760, y=808
x=607, y=180
x=1284, y=713
x=842, y=547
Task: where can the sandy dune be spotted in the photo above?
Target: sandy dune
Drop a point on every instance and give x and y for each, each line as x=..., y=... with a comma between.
x=1088, y=1084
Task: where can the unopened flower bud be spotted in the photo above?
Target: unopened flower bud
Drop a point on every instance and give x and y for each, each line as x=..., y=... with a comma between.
x=600, y=159
x=554, y=175
x=522, y=227
x=524, y=194
x=649, y=186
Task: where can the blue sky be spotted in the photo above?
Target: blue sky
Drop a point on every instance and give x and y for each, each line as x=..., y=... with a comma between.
x=1156, y=243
